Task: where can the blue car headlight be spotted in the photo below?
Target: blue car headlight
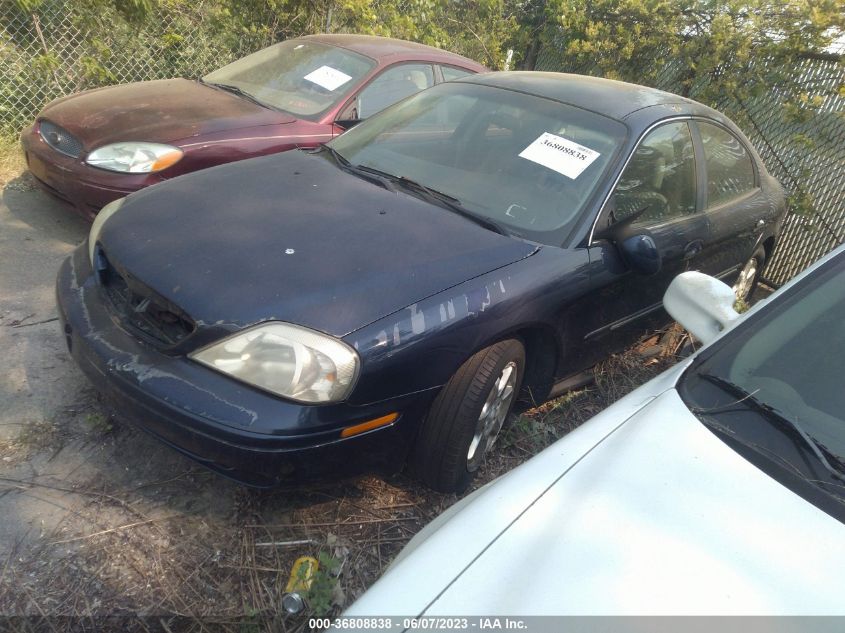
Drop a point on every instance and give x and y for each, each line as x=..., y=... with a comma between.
x=287, y=360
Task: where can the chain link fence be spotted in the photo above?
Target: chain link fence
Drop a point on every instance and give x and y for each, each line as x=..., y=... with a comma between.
x=805, y=153
x=59, y=49
x=63, y=47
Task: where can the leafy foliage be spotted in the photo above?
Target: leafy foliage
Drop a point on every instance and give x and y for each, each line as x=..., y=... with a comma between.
x=711, y=47
x=766, y=64
x=717, y=44
x=321, y=593
x=735, y=55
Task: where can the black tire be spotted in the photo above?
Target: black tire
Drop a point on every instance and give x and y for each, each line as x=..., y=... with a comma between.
x=441, y=455
x=758, y=260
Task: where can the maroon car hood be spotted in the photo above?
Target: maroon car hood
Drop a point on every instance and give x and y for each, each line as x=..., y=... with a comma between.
x=158, y=111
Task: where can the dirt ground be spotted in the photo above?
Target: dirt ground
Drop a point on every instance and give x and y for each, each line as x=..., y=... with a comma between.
x=99, y=523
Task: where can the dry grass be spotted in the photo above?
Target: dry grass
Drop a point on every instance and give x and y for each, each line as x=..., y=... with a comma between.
x=613, y=378
x=126, y=553
x=33, y=436
x=193, y=572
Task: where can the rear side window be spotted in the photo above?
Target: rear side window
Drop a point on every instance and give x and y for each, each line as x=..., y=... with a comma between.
x=450, y=73
x=730, y=170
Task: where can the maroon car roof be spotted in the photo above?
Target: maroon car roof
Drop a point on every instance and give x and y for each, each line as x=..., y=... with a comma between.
x=390, y=49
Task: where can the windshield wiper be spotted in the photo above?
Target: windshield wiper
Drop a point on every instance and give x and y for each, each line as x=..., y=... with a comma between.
x=771, y=414
x=238, y=91
x=339, y=158
x=389, y=181
x=373, y=175
x=383, y=177
x=449, y=202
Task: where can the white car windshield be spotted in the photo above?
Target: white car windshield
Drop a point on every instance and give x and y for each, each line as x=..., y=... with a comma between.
x=786, y=361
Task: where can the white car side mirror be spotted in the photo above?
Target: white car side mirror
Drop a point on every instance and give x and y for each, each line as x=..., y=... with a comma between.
x=703, y=305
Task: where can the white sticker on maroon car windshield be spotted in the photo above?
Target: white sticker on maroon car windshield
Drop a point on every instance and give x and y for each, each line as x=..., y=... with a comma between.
x=560, y=154
x=328, y=77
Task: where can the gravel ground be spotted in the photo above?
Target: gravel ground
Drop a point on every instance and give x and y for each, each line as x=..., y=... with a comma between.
x=99, y=523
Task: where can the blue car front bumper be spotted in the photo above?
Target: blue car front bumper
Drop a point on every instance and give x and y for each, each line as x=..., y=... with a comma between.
x=241, y=432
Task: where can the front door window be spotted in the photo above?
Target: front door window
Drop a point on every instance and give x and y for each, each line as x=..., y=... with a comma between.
x=659, y=180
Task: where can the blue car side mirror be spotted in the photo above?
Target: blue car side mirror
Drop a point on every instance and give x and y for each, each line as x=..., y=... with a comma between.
x=641, y=253
x=636, y=244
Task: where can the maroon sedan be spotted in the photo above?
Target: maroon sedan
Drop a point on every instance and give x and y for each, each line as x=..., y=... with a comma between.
x=97, y=146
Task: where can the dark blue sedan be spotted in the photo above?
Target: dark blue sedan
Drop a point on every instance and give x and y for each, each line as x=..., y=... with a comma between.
x=391, y=298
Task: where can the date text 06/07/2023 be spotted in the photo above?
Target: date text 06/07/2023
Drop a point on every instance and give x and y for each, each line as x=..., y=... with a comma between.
x=380, y=623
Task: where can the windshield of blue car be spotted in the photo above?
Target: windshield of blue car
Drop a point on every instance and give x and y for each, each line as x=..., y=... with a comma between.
x=527, y=163
x=302, y=78
x=787, y=358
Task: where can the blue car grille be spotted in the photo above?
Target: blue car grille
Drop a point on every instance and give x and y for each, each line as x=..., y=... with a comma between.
x=60, y=139
x=139, y=309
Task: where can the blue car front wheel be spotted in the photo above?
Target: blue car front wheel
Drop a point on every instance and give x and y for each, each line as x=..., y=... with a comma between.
x=466, y=417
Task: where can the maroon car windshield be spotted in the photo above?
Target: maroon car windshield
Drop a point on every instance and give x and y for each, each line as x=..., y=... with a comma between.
x=302, y=78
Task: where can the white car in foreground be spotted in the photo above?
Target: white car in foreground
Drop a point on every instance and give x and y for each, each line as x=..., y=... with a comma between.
x=716, y=488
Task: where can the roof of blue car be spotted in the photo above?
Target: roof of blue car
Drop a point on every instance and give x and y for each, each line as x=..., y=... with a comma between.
x=615, y=99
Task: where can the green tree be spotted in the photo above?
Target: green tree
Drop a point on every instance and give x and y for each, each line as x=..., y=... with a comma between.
x=745, y=57
x=475, y=28
x=717, y=44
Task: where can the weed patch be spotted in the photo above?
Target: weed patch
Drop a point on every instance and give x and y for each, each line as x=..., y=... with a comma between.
x=99, y=423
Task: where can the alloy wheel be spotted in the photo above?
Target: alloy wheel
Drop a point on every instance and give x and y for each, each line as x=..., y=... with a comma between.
x=492, y=416
x=745, y=282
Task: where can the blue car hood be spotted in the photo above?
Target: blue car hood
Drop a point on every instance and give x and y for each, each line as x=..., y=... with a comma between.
x=295, y=238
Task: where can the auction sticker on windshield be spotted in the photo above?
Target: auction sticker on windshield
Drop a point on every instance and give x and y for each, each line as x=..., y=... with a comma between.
x=560, y=154
x=328, y=77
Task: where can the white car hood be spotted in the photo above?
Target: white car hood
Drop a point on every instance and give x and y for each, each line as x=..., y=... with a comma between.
x=660, y=517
